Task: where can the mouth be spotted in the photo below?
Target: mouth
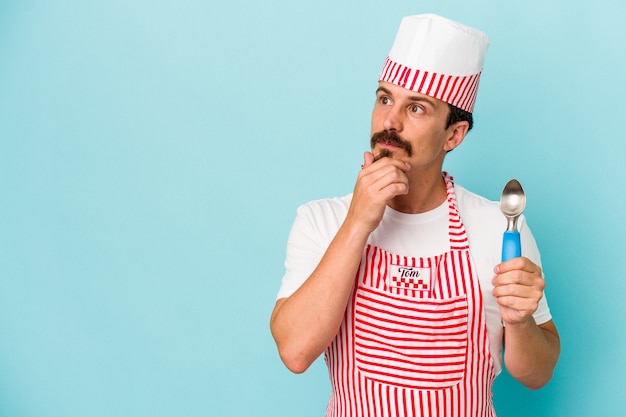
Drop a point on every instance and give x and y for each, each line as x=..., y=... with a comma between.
x=389, y=141
x=389, y=145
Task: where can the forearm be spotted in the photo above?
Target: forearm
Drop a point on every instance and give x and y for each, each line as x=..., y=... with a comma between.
x=531, y=352
x=304, y=324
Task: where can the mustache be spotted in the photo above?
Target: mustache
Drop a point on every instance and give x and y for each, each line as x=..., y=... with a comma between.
x=390, y=137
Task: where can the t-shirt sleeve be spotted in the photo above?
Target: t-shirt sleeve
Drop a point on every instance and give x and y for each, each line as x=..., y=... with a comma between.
x=313, y=229
x=304, y=252
x=531, y=251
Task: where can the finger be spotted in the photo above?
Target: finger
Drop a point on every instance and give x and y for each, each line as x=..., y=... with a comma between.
x=400, y=186
x=519, y=304
x=386, y=176
x=519, y=278
x=517, y=290
x=386, y=165
x=368, y=159
x=522, y=264
x=382, y=173
x=379, y=185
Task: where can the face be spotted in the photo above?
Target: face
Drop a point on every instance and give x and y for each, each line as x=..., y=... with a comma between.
x=412, y=126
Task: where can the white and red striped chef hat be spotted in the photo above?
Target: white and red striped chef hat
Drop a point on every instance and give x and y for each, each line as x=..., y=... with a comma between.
x=438, y=57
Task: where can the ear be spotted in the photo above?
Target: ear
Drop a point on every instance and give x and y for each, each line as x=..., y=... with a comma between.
x=457, y=133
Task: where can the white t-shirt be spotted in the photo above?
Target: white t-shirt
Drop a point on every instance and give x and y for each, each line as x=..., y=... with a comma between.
x=424, y=234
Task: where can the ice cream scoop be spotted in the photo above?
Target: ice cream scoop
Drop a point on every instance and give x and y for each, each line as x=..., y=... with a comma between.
x=512, y=204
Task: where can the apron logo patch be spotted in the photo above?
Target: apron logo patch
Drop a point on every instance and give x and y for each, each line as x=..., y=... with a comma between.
x=409, y=277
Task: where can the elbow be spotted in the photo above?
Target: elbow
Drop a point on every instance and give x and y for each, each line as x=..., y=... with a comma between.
x=535, y=385
x=535, y=382
x=292, y=355
x=296, y=367
x=294, y=352
x=296, y=363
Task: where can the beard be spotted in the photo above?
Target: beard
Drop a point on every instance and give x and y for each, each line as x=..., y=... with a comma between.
x=392, y=138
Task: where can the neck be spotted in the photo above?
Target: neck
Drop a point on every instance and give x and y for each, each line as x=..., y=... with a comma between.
x=425, y=193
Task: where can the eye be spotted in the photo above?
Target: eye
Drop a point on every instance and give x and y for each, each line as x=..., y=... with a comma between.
x=384, y=100
x=416, y=108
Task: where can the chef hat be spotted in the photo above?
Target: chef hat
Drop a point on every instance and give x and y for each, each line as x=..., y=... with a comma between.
x=437, y=57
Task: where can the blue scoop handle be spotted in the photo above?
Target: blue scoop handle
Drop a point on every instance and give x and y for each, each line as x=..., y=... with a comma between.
x=511, y=246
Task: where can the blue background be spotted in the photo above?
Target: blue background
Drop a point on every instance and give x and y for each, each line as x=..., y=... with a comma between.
x=153, y=153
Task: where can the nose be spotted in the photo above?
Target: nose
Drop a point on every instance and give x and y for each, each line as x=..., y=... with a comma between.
x=393, y=119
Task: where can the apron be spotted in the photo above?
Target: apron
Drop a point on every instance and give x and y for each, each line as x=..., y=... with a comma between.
x=414, y=338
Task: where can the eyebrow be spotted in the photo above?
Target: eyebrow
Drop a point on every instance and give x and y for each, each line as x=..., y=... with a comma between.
x=423, y=98
x=383, y=89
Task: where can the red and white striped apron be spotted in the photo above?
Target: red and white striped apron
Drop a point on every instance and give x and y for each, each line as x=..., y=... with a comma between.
x=414, y=338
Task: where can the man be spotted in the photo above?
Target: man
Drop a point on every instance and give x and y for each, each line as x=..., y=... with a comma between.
x=400, y=283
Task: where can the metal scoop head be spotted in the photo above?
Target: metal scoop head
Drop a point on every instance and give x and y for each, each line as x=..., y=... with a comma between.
x=512, y=203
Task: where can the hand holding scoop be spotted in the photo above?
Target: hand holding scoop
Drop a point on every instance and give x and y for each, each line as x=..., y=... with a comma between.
x=512, y=203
